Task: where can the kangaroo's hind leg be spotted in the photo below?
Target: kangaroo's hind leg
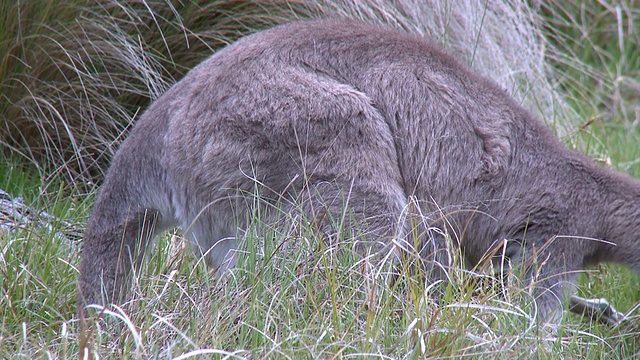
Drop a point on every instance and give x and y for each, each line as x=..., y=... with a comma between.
x=341, y=160
x=297, y=139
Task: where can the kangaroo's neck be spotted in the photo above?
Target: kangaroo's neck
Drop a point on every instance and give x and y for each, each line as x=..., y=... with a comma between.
x=618, y=205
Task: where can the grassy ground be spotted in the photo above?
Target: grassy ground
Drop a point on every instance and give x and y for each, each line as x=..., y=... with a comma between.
x=290, y=296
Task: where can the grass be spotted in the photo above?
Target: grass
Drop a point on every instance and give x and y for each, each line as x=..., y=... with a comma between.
x=74, y=74
x=289, y=296
x=37, y=269
x=300, y=304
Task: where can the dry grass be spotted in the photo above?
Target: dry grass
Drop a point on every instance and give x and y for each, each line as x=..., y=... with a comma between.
x=75, y=74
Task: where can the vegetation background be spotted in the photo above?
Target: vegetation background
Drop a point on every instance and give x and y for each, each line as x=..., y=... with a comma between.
x=74, y=76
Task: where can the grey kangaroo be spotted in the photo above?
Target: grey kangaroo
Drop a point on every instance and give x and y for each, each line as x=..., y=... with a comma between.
x=332, y=111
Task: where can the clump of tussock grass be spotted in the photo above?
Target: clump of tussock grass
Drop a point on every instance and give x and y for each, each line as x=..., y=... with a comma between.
x=74, y=79
x=595, y=55
x=593, y=51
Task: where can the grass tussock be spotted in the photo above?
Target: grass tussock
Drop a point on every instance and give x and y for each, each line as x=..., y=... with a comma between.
x=595, y=48
x=593, y=51
x=75, y=74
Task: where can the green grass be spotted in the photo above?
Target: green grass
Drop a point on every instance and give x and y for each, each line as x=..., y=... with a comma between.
x=37, y=268
x=289, y=296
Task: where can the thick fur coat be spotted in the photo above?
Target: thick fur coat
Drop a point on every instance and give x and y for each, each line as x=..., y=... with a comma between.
x=329, y=110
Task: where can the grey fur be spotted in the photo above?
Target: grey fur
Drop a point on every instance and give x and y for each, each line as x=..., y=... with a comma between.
x=325, y=110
